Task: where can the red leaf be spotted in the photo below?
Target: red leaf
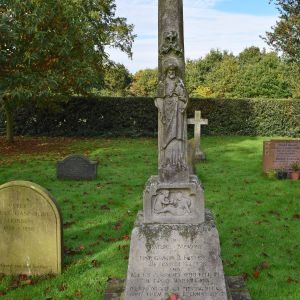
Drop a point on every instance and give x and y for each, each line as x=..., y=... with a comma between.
x=256, y=274
x=125, y=237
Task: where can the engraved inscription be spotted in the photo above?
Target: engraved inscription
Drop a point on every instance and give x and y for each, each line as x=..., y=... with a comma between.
x=285, y=154
x=280, y=154
x=189, y=266
x=19, y=216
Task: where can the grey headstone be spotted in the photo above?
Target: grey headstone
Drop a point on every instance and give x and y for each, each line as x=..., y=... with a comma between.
x=77, y=167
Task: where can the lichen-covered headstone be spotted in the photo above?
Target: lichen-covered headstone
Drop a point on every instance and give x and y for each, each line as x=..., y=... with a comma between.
x=30, y=230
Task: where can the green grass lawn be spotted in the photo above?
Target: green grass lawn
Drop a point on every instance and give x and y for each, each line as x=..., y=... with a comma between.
x=256, y=215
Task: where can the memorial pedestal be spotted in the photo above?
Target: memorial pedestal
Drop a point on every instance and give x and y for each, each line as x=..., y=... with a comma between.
x=181, y=259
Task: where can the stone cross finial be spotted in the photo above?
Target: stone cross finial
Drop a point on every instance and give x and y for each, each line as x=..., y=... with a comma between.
x=198, y=122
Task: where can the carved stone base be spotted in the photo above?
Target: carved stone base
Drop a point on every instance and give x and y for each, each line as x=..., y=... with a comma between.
x=181, y=259
x=176, y=203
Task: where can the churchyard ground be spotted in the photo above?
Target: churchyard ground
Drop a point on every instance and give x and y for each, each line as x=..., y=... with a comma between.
x=258, y=217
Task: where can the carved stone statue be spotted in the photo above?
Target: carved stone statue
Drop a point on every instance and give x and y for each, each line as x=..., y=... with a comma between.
x=172, y=102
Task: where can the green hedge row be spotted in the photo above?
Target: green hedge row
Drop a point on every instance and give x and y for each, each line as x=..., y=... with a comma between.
x=137, y=116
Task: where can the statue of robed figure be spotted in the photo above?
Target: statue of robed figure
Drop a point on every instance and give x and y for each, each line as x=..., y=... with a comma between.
x=171, y=101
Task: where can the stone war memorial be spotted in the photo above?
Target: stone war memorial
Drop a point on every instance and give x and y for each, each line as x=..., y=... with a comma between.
x=280, y=154
x=175, y=245
x=76, y=167
x=30, y=230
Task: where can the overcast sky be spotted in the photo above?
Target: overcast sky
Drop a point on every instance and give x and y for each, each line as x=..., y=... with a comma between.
x=209, y=24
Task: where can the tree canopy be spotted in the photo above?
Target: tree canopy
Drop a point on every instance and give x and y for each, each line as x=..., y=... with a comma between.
x=53, y=49
x=253, y=73
x=285, y=35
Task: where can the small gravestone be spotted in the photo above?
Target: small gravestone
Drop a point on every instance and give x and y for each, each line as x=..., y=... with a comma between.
x=77, y=167
x=198, y=122
x=280, y=154
x=30, y=230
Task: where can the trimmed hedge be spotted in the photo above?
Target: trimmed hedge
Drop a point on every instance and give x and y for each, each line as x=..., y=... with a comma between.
x=137, y=116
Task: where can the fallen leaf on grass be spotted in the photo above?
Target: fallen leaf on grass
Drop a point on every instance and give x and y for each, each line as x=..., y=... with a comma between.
x=68, y=224
x=78, y=294
x=62, y=287
x=96, y=263
x=290, y=280
x=104, y=207
x=264, y=254
x=264, y=265
x=245, y=276
x=297, y=216
x=117, y=226
x=72, y=251
x=256, y=274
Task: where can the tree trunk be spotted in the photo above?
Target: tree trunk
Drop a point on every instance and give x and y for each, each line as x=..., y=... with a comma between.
x=9, y=124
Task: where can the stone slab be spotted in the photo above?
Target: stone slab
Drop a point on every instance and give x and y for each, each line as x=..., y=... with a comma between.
x=182, y=259
x=30, y=230
x=175, y=203
x=279, y=154
x=77, y=167
x=235, y=286
x=115, y=289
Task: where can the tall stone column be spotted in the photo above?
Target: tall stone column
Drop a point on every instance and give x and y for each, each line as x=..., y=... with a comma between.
x=174, y=244
x=172, y=97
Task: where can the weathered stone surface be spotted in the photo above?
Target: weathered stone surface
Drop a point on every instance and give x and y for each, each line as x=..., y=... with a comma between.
x=115, y=289
x=30, y=230
x=173, y=203
x=280, y=154
x=237, y=288
x=192, y=157
x=235, y=285
x=198, y=122
x=183, y=259
x=77, y=167
x=172, y=97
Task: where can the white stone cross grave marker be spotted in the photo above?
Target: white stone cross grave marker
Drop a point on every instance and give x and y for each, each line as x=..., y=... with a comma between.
x=198, y=122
